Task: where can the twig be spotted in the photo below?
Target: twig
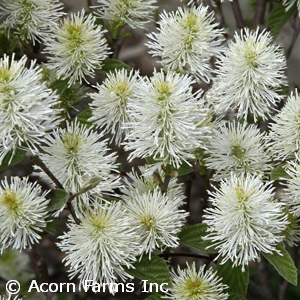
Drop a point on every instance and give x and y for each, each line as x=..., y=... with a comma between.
x=260, y=12
x=257, y=291
x=237, y=13
x=293, y=41
x=282, y=289
x=219, y=14
x=264, y=277
x=41, y=164
x=185, y=255
x=188, y=190
x=164, y=187
x=89, y=3
x=40, y=266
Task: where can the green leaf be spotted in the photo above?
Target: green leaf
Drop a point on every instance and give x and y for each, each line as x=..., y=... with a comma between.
x=58, y=200
x=192, y=236
x=283, y=264
x=51, y=227
x=12, y=159
x=91, y=184
x=279, y=172
x=112, y=65
x=235, y=296
x=278, y=17
x=234, y=277
x=184, y=169
x=84, y=116
x=154, y=270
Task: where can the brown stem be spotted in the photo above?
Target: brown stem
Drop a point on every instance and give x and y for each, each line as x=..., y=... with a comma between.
x=41, y=164
x=185, y=255
x=188, y=190
x=264, y=277
x=257, y=291
x=282, y=290
x=260, y=12
x=36, y=160
x=237, y=13
x=219, y=14
x=164, y=187
x=40, y=266
x=293, y=41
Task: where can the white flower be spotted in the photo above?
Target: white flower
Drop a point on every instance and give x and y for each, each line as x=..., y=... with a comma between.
x=285, y=131
x=189, y=284
x=244, y=220
x=135, y=13
x=168, y=120
x=26, y=106
x=237, y=148
x=31, y=19
x=143, y=183
x=23, y=213
x=156, y=219
x=76, y=47
x=186, y=41
x=10, y=297
x=75, y=155
x=292, y=193
x=250, y=75
x=101, y=245
x=290, y=3
x=110, y=104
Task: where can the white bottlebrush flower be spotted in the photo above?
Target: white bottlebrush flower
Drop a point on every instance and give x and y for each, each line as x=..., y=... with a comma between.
x=135, y=13
x=26, y=106
x=250, y=75
x=156, y=219
x=292, y=193
x=10, y=297
x=290, y=3
x=76, y=47
x=143, y=183
x=110, y=105
x=190, y=284
x=245, y=220
x=101, y=245
x=285, y=131
x=237, y=148
x=23, y=213
x=75, y=155
x=169, y=120
x=30, y=19
x=186, y=41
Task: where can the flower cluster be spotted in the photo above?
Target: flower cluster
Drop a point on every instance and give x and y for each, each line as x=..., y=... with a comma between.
x=241, y=83
x=190, y=284
x=237, y=148
x=30, y=19
x=186, y=41
x=168, y=120
x=284, y=135
x=23, y=213
x=244, y=220
x=76, y=47
x=135, y=13
x=24, y=122
x=110, y=105
x=75, y=155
